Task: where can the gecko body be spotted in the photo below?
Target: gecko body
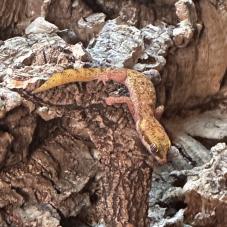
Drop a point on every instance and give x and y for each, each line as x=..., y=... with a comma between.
x=141, y=103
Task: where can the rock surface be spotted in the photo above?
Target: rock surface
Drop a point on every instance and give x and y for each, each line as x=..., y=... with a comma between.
x=15, y=16
x=77, y=144
x=127, y=40
x=40, y=25
x=87, y=28
x=188, y=185
x=200, y=73
x=206, y=193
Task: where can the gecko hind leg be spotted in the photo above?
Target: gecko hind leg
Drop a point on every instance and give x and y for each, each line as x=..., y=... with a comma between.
x=121, y=100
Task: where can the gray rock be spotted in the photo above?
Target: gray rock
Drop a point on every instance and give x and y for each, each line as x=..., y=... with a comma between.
x=8, y=101
x=194, y=174
x=157, y=41
x=210, y=125
x=69, y=36
x=25, y=61
x=40, y=215
x=117, y=45
x=206, y=193
x=87, y=28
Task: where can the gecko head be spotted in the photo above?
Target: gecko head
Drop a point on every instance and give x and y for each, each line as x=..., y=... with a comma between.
x=155, y=139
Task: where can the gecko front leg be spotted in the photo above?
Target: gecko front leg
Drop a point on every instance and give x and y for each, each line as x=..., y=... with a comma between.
x=121, y=100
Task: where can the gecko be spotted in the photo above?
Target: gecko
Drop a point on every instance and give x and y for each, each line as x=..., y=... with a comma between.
x=141, y=102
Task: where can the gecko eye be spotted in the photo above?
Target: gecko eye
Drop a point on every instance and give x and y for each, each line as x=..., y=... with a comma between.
x=153, y=149
x=154, y=152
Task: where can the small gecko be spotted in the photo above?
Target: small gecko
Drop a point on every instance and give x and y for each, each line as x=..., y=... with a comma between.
x=141, y=102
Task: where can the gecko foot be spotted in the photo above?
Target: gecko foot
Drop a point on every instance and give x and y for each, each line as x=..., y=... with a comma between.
x=118, y=75
x=103, y=77
x=159, y=111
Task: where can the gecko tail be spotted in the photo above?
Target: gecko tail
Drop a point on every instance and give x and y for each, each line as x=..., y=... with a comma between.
x=69, y=76
x=54, y=81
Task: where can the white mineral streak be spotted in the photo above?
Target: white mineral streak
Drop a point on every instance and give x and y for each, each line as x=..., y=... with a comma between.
x=40, y=25
x=186, y=13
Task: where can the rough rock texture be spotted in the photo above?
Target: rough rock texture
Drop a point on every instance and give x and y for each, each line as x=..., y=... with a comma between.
x=206, y=193
x=157, y=41
x=29, y=215
x=8, y=101
x=40, y=25
x=192, y=28
x=127, y=40
x=139, y=13
x=87, y=28
x=186, y=13
x=180, y=189
x=195, y=73
x=208, y=125
x=66, y=13
x=16, y=15
x=78, y=142
x=201, y=196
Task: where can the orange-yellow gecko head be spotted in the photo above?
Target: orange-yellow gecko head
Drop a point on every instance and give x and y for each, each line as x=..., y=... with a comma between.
x=154, y=138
